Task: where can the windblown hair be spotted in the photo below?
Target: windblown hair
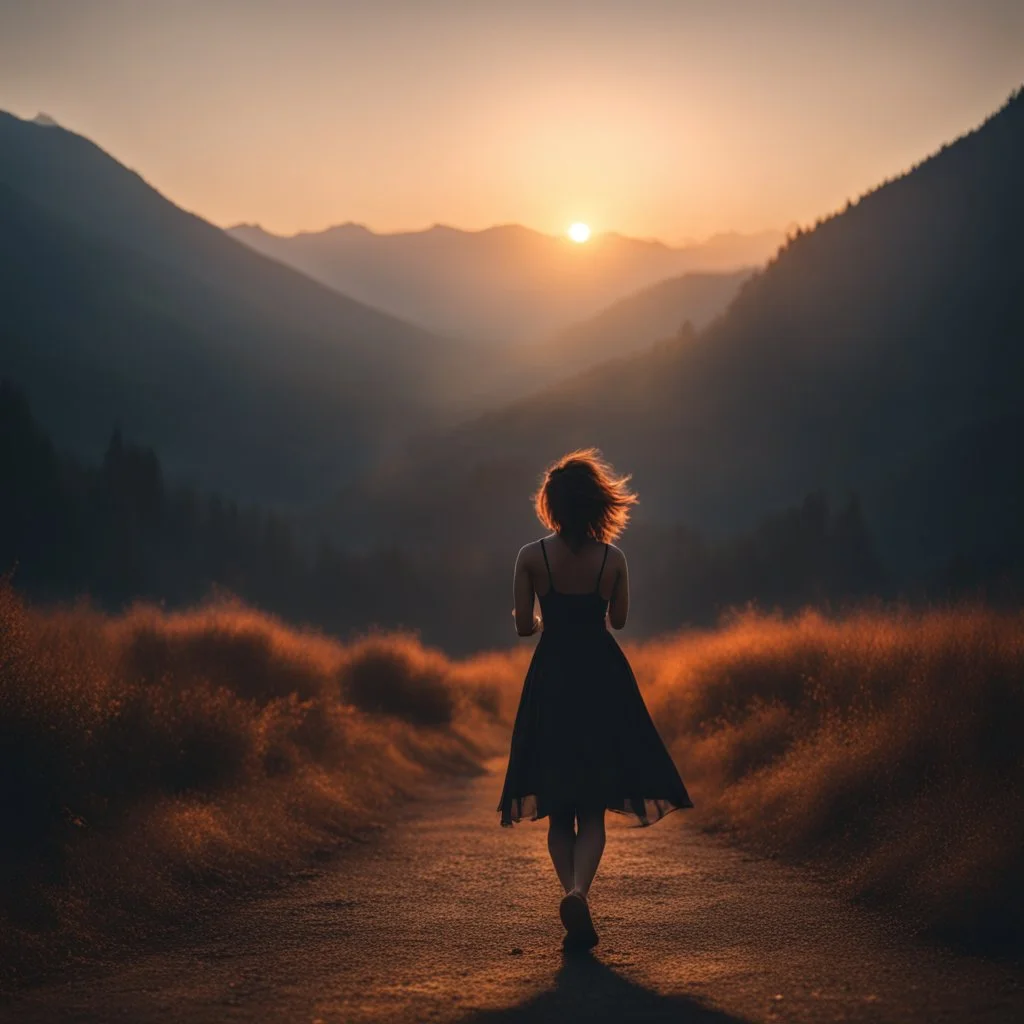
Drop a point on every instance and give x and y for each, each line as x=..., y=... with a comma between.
x=581, y=497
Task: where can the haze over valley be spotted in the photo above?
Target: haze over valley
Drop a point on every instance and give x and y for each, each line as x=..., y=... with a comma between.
x=503, y=285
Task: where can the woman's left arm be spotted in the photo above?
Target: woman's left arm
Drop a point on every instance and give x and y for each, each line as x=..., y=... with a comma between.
x=522, y=586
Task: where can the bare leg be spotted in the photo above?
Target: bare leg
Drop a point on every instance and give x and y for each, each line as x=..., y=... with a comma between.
x=588, y=849
x=561, y=840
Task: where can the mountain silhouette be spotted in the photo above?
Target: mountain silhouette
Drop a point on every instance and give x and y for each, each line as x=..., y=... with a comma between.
x=503, y=285
x=120, y=306
x=881, y=351
x=673, y=308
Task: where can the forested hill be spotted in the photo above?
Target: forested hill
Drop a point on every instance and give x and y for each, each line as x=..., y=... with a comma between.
x=117, y=531
x=121, y=307
x=880, y=351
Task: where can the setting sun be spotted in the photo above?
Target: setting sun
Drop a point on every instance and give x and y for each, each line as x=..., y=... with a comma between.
x=579, y=232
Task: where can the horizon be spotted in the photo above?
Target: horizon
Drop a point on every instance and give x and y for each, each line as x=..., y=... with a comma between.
x=43, y=119
x=512, y=225
x=539, y=117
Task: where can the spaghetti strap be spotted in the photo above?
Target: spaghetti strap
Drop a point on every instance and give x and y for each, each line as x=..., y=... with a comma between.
x=547, y=564
x=600, y=572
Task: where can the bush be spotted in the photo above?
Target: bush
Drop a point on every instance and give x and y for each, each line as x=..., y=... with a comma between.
x=394, y=675
x=147, y=754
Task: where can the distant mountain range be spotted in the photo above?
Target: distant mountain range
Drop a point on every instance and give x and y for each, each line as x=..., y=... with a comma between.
x=506, y=285
x=117, y=306
x=881, y=352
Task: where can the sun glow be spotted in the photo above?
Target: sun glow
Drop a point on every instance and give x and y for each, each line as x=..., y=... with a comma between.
x=579, y=232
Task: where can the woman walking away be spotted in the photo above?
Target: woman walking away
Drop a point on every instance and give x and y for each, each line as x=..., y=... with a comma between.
x=583, y=742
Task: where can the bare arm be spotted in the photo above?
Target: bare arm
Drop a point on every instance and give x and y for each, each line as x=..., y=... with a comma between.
x=618, y=606
x=526, y=622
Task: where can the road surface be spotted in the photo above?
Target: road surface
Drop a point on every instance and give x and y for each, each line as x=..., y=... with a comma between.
x=447, y=917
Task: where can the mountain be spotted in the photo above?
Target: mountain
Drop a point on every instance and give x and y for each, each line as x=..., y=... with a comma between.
x=669, y=309
x=504, y=285
x=120, y=307
x=880, y=352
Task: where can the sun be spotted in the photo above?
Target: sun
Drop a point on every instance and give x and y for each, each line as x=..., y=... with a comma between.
x=579, y=232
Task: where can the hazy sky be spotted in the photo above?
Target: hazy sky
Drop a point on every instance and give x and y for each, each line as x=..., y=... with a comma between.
x=668, y=119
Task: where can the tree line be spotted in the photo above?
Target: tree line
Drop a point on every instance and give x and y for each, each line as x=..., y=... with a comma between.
x=118, y=531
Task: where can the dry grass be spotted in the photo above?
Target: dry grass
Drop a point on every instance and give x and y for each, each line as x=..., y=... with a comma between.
x=151, y=762
x=885, y=747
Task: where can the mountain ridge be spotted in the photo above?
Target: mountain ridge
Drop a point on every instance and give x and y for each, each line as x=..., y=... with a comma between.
x=670, y=310
x=112, y=212
x=768, y=235
x=313, y=370
x=500, y=286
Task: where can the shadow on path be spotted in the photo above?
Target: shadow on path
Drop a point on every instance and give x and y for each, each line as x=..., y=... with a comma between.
x=587, y=990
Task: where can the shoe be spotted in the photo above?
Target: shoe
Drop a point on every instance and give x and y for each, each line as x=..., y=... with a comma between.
x=579, y=925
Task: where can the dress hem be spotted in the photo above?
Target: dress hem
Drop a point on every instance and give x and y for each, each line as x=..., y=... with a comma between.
x=644, y=821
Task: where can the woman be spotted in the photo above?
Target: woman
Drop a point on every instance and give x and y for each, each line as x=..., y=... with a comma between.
x=583, y=742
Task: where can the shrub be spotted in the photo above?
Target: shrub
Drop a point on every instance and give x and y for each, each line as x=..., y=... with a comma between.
x=884, y=745
x=146, y=754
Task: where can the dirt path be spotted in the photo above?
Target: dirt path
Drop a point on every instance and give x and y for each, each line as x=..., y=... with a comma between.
x=450, y=918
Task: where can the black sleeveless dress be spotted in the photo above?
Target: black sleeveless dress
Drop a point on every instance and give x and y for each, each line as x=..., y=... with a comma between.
x=583, y=736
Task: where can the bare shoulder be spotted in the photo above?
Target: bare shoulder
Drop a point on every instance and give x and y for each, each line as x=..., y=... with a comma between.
x=616, y=557
x=530, y=555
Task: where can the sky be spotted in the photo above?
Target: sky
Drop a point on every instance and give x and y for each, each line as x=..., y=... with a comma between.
x=674, y=120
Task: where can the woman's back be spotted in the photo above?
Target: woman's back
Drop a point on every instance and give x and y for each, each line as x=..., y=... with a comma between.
x=588, y=580
x=580, y=570
x=573, y=600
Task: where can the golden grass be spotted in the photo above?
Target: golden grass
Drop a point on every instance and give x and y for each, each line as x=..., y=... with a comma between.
x=151, y=761
x=885, y=747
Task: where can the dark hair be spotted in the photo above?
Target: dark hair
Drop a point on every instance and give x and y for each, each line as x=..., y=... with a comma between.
x=580, y=497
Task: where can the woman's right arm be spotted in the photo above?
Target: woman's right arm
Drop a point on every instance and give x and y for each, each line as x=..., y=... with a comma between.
x=618, y=606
